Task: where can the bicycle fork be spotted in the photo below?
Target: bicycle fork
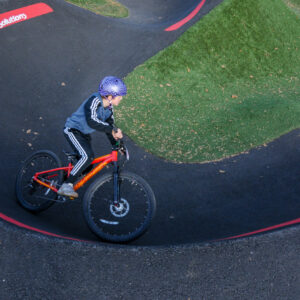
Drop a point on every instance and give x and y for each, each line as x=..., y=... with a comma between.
x=116, y=184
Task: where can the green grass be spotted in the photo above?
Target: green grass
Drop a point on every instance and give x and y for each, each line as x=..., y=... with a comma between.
x=228, y=84
x=109, y=8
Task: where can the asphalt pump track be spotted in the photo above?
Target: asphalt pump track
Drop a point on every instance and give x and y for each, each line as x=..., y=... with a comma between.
x=50, y=63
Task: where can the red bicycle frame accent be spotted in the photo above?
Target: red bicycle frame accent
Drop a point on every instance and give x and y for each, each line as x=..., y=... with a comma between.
x=102, y=161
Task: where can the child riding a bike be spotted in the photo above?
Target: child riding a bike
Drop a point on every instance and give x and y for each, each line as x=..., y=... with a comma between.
x=95, y=113
x=119, y=205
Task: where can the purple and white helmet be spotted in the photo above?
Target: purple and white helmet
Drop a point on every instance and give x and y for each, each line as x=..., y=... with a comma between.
x=112, y=85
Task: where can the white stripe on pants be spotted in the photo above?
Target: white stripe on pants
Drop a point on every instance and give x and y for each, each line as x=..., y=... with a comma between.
x=83, y=154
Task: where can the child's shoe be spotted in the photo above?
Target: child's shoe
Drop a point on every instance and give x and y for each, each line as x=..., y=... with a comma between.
x=67, y=190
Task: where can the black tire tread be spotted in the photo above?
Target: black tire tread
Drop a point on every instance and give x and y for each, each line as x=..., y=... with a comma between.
x=121, y=238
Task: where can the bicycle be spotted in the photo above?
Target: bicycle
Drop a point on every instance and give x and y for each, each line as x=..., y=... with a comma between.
x=118, y=206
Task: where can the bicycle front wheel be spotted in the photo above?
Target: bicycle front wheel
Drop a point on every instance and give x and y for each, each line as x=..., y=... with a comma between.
x=30, y=194
x=123, y=222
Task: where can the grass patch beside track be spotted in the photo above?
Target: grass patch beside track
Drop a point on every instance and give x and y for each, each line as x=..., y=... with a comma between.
x=228, y=84
x=109, y=8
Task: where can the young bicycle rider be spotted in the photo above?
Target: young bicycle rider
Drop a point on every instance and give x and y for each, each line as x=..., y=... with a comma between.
x=95, y=113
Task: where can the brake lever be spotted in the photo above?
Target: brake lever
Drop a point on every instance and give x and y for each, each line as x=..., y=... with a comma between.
x=124, y=151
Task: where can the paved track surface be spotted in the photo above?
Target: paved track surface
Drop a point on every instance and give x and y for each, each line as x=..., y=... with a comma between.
x=34, y=267
x=159, y=13
x=51, y=63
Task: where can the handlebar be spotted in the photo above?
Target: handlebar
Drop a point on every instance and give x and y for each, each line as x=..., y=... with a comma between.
x=120, y=146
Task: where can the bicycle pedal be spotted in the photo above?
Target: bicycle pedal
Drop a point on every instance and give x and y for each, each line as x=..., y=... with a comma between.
x=71, y=198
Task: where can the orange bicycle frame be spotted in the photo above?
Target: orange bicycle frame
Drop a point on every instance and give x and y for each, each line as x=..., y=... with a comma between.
x=102, y=161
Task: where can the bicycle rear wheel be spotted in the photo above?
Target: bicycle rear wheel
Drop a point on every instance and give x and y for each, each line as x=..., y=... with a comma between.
x=30, y=194
x=121, y=223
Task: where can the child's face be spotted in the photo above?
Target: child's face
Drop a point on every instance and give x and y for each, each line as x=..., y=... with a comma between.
x=115, y=101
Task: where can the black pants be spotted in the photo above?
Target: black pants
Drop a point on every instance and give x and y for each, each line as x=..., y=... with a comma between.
x=81, y=144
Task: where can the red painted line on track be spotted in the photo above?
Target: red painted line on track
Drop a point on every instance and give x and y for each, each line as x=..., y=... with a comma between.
x=19, y=224
x=187, y=18
x=22, y=225
x=293, y=222
x=23, y=14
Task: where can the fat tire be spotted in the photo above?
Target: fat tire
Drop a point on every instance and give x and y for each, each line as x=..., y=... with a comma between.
x=19, y=187
x=125, y=237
